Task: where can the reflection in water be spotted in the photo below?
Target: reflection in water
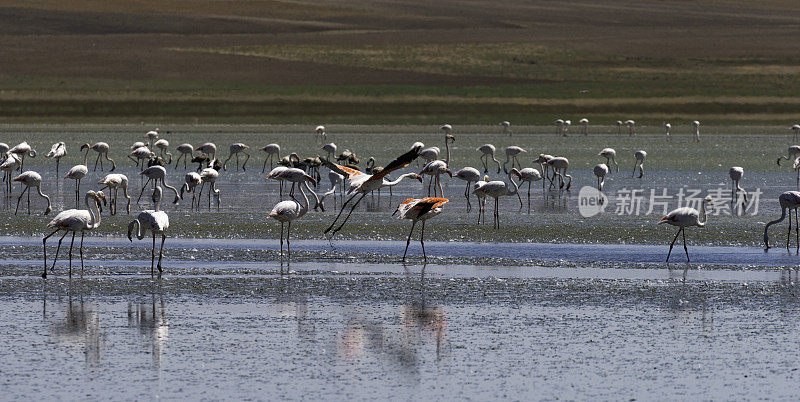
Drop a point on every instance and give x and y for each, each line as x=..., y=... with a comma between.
x=80, y=327
x=149, y=318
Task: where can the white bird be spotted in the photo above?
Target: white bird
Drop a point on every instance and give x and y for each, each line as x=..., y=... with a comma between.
x=140, y=155
x=30, y=179
x=22, y=150
x=611, y=156
x=529, y=175
x=667, y=128
x=330, y=149
x=600, y=170
x=559, y=126
x=319, y=132
x=290, y=210
x=511, y=155
x=631, y=127
x=542, y=161
x=685, y=217
x=275, y=174
x=497, y=189
x=560, y=165
x=185, y=151
x=8, y=166
x=430, y=154
x=191, y=181
x=696, y=127
x=151, y=136
x=102, y=149
x=3, y=148
x=736, y=174
x=618, y=123
x=157, y=222
x=157, y=174
x=488, y=150
x=438, y=167
x=77, y=173
x=446, y=128
x=138, y=144
x=75, y=220
x=469, y=175
x=565, y=127
x=506, y=127
x=163, y=146
x=419, y=209
x=796, y=130
x=115, y=181
x=272, y=151
x=209, y=176
x=639, y=155
x=336, y=181
x=236, y=149
x=788, y=200
x=477, y=189
x=585, y=125
x=209, y=149
x=57, y=151
x=792, y=153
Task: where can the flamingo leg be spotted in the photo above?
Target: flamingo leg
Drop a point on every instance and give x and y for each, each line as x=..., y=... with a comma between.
x=20, y=199
x=71, y=243
x=340, y=212
x=95, y=163
x=348, y=214
x=413, y=223
x=673, y=243
x=77, y=192
x=422, y=241
x=143, y=188
x=57, y=250
x=797, y=230
x=44, y=249
x=439, y=185
x=81, y=250
x=281, y=240
x=153, y=255
x=529, y=196
x=264, y=168
x=686, y=250
x=466, y=195
x=29, y=200
x=288, y=247
x=789, y=234
x=497, y=213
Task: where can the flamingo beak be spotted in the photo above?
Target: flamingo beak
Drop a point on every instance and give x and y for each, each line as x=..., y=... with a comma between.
x=664, y=220
x=450, y=173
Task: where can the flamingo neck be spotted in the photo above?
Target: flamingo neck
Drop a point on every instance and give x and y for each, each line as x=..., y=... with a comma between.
x=447, y=147
x=766, y=228
x=705, y=218
x=94, y=212
x=398, y=180
x=513, y=183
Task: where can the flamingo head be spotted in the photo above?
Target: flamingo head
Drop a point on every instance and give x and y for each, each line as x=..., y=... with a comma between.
x=515, y=172
x=666, y=219
x=311, y=179
x=450, y=137
x=449, y=172
x=84, y=146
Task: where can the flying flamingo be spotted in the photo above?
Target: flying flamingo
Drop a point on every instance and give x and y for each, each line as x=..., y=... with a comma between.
x=796, y=130
x=511, y=155
x=506, y=127
x=559, y=127
x=157, y=173
x=792, y=153
x=789, y=200
x=631, y=127
x=477, y=189
x=151, y=136
x=319, y=132
x=486, y=151
x=667, y=128
x=684, y=217
x=497, y=189
x=560, y=165
x=140, y=155
x=542, y=161
x=419, y=209
x=363, y=184
x=29, y=179
x=287, y=211
x=102, y=149
x=76, y=173
x=75, y=220
x=8, y=166
x=115, y=181
x=209, y=149
x=585, y=125
x=438, y=167
x=157, y=222
x=163, y=147
x=191, y=181
x=209, y=176
x=611, y=156
x=272, y=150
x=469, y=175
x=185, y=151
x=236, y=149
x=736, y=174
x=639, y=155
x=57, y=151
x=529, y=175
x=330, y=148
x=600, y=170
x=696, y=127
x=22, y=149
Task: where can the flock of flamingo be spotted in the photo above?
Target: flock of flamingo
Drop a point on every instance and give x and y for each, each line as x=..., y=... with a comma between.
x=344, y=173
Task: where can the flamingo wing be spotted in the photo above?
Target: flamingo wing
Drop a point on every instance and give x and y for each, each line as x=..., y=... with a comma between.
x=399, y=163
x=427, y=204
x=345, y=171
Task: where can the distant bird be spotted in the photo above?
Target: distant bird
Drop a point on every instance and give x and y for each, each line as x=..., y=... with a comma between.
x=559, y=126
x=290, y=210
x=477, y=189
x=796, y=130
x=191, y=181
x=529, y=175
x=792, y=153
x=497, y=189
x=330, y=148
x=209, y=149
x=114, y=182
x=696, y=127
x=611, y=156
x=511, y=155
x=57, y=151
x=469, y=175
x=102, y=149
x=506, y=127
x=3, y=148
x=685, y=217
x=488, y=150
x=667, y=128
x=438, y=167
x=163, y=146
x=140, y=155
x=22, y=150
x=8, y=166
x=30, y=179
x=75, y=220
x=560, y=165
x=138, y=144
x=151, y=136
x=185, y=151
x=157, y=174
x=585, y=125
x=542, y=161
x=639, y=155
x=788, y=200
x=600, y=170
x=319, y=132
x=209, y=176
x=157, y=222
x=446, y=128
x=618, y=123
x=236, y=149
x=565, y=127
x=77, y=173
x=272, y=151
x=736, y=174
x=631, y=127
x=419, y=209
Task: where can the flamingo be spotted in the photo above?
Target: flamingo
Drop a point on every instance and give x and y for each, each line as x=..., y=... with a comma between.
x=272, y=150
x=684, y=217
x=22, y=149
x=667, y=128
x=611, y=156
x=789, y=200
x=151, y=136
x=157, y=222
x=336, y=180
x=102, y=149
x=477, y=189
x=542, y=161
x=631, y=127
x=486, y=151
x=76, y=173
x=137, y=144
x=288, y=211
x=275, y=174
x=140, y=155
x=57, y=151
x=330, y=148
x=618, y=123
x=600, y=170
x=75, y=220
x=529, y=175
x=511, y=155
x=115, y=181
x=506, y=127
x=319, y=132
x=157, y=173
x=639, y=155
x=29, y=179
x=209, y=149
x=8, y=166
x=3, y=148
x=430, y=154
x=792, y=153
x=560, y=166
x=185, y=151
x=236, y=149
x=497, y=189
x=585, y=125
x=736, y=174
x=163, y=146
x=565, y=127
x=210, y=175
x=469, y=175
x=191, y=181
x=696, y=127
x=419, y=209
x=796, y=130
x=296, y=177
x=363, y=184
x=437, y=167
x=559, y=127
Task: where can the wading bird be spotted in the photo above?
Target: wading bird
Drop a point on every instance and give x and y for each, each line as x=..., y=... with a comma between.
x=419, y=209
x=560, y=165
x=330, y=149
x=102, y=149
x=611, y=156
x=511, y=155
x=600, y=170
x=57, y=151
x=336, y=181
x=542, y=161
x=684, y=217
x=151, y=136
x=319, y=132
x=497, y=189
x=667, y=128
x=157, y=222
x=791, y=154
x=8, y=166
x=619, y=126
x=639, y=155
x=272, y=151
x=559, y=126
x=789, y=200
x=696, y=128
x=22, y=150
x=209, y=176
x=77, y=173
x=114, y=182
x=30, y=179
x=438, y=167
x=565, y=127
x=288, y=211
x=488, y=150
x=736, y=174
x=140, y=155
x=275, y=174
x=477, y=189
x=75, y=220
x=157, y=174
x=469, y=175
x=236, y=149
x=631, y=127
x=185, y=151
x=191, y=181
x=584, y=125
x=163, y=147
x=506, y=127
x=796, y=130
x=208, y=149
x=529, y=175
